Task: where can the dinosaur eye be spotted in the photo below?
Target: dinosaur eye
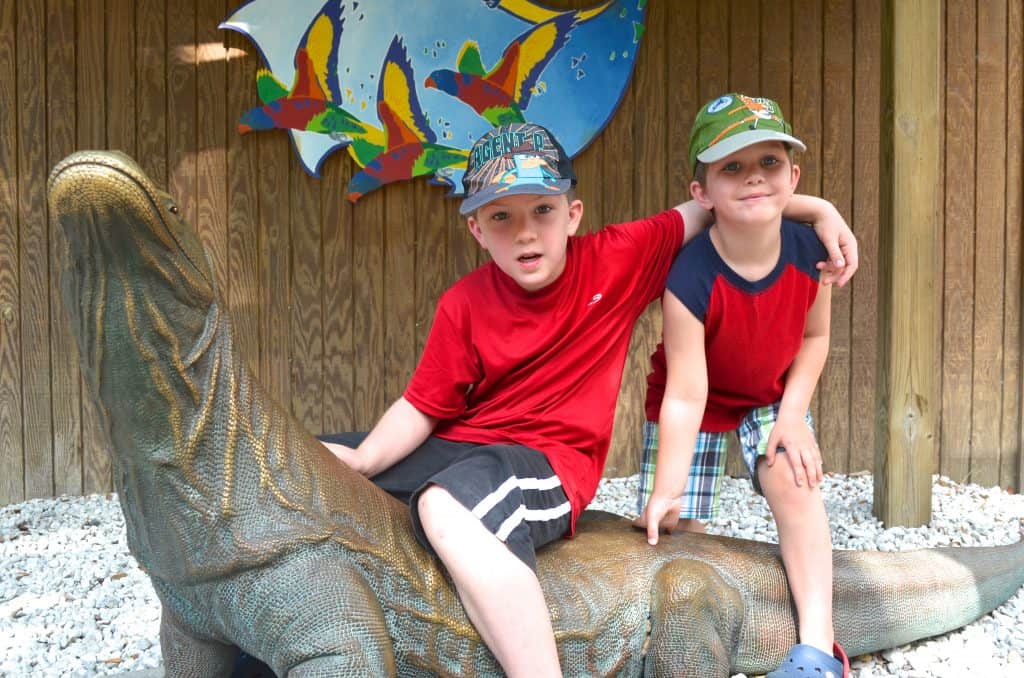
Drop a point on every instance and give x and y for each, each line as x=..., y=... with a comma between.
x=173, y=208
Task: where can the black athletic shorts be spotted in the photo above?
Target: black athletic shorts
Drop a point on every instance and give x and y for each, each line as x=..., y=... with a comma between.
x=512, y=489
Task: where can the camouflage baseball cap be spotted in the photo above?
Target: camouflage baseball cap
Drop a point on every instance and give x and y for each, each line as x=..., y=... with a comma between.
x=515, y=159
x=734, y=121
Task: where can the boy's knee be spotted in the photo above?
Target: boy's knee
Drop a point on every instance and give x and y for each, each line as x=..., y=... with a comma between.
x=434, y=506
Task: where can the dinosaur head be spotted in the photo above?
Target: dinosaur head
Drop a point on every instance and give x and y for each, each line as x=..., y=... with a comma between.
x=136, y=284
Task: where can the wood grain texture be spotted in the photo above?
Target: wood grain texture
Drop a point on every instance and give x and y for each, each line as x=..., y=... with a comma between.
x=274, y=263
x=66, y=386
x=835, y=417
x=989, y=233
x=368, y=310
x=1011, y=466
x=12, y=480
x=242, y=167
x=958, y=242
x=306, y=334
x=337, y=217
x=90, y=62
x=33, y=252
x=865, y=223
x=908, y=453
x=401, y=227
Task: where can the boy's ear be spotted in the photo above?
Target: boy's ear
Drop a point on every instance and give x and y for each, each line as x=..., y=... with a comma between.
x=575, y=216
x=700, y=195
x=795, y=179
x=474, y=228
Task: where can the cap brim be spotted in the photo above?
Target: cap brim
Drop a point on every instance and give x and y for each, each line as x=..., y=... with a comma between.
x=495, y=191
x=736, y=142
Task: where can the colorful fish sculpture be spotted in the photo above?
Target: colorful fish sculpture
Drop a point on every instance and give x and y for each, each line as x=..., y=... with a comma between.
x=353, y=66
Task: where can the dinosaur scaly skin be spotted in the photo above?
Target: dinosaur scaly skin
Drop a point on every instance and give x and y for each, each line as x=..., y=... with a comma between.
x=255, y=537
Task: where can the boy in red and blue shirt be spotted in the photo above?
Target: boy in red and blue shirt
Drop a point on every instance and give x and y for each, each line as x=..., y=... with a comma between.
x=746, y=334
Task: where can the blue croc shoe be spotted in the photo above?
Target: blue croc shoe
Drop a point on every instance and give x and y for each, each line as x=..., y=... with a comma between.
x=807, y=661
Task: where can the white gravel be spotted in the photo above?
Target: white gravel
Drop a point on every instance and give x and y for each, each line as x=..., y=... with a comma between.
x=73, y=602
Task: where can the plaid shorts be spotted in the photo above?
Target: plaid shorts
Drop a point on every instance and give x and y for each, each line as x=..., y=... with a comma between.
x=700, y=499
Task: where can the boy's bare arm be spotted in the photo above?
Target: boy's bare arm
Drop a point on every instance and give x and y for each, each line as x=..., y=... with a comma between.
x=401, y=430
x=682, y=408
x=791, y=430
x=831, y=228
x=834, y=233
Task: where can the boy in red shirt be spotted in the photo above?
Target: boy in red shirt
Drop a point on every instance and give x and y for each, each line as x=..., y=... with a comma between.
x=746, y=333
x=501, y=436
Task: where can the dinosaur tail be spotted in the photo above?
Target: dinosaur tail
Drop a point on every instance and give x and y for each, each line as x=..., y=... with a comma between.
x=883, y=600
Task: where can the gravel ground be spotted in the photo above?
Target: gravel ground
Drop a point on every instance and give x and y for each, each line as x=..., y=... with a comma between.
x=73, y=602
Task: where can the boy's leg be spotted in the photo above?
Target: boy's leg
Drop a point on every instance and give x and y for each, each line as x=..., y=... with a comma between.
x=501, y=594
x=700, y=499
x=484, y=516
x=804, y=537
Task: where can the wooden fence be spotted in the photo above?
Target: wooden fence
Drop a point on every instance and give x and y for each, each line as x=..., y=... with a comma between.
x=333, y=301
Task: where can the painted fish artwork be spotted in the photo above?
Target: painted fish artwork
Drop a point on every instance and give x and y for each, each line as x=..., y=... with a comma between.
x=406, y=86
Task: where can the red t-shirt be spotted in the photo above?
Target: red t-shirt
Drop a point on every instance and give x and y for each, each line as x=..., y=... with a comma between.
x=752, y=330
x=543, y=368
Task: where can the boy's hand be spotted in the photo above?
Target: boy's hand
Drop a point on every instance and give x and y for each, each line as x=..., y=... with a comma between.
x=661, y=513
x=795, y=436
x=346, y=455
x=842, y=252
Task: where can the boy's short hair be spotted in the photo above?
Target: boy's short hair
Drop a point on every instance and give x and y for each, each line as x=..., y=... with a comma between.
x=515, y=159
x=732, y=122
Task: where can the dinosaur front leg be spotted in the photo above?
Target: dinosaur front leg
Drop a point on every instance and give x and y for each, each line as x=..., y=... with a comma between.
x=695, y=622
x=312, y=614
x=189, y=656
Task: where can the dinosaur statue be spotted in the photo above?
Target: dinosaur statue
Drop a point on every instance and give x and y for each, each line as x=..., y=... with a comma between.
x=256, y=538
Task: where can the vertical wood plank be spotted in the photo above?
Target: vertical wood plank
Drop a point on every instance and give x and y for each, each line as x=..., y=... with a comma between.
x=90, y=42
x=120, y=85
x=337, y=217
x=911, y=260
x=33, y=247
x=806, y=112
x=151, y=89
x=683, y=97
x=745, y=47
x=274, y=264
x=12, y=480
x=400, y=265
x=211, y=137
x=66, y=377
x=864, y=290
x=431, y=257
x=777, y=62
x=989, y=271
x=1011, y=465
x=243, y=290
x=958, y=255
x=306, y=321
x=835, y=415
x=181, y=110
x=650, y=194
x=712, y=31
x=368, y=316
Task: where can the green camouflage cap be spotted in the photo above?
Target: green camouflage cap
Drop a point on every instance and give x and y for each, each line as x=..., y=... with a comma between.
x=734, y=121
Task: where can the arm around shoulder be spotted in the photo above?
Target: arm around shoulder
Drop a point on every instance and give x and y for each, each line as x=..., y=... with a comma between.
x=833, y=231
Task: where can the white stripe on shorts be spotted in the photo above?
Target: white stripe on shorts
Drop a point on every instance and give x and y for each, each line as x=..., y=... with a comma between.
x=532, y=515
x=492, y=500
